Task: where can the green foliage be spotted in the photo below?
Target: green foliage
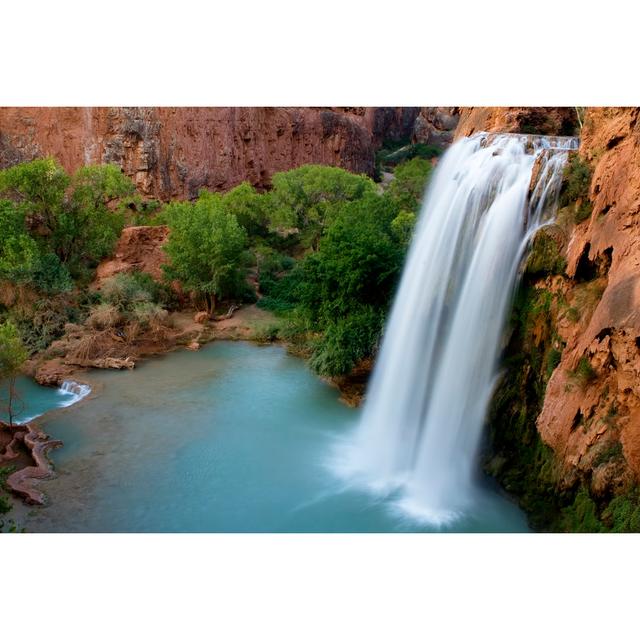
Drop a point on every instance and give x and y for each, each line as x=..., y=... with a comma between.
x=612, y=451
x=347, y=340
x=250, y=208
x=575, y=188
x=124, y=290
x=266, y=333
x=40, y=185
x=545, y=256
x=205, y=248
x=5, y=503
x=584, y=372
x=12, y=356
x=553, y=360
x=43, y=322
x=345, y=287
x=396, y=152
x=12, y=351
x=408, y=186
x=132, y=297
x=307, y=198
x=402, y=227
x=77, y=219
x=582, y=515
x=622, y=514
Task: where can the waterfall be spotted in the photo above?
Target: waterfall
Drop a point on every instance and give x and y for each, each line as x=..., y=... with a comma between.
x=72, y=392
x=422, y=422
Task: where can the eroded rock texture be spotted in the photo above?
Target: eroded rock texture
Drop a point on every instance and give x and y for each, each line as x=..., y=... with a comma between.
x=540, y=120
x=173, y=152
x=583, y=422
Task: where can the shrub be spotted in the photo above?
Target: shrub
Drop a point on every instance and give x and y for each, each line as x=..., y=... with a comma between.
x=347, y=341
x=149, y=315
x=305, y=198
x=125, y=290
x=409, y=184
x=205, y=248
x=582, y=515
x=575, y=188
x=545, y=256
x=104, y=316
x=584, y=372
x=552, y=360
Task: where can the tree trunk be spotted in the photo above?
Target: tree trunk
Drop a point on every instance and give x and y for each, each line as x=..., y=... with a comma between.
x=12, y=391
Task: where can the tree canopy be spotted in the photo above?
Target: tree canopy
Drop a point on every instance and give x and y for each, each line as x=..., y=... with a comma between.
x=205, y=247
x=12, y=357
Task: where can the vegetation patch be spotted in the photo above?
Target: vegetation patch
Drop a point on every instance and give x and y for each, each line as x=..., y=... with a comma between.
x=575, y=188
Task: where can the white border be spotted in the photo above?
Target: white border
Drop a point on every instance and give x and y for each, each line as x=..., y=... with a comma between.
x=334, y=52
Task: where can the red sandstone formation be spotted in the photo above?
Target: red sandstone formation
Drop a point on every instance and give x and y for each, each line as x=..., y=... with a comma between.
x=174, y=152
x=541, y=120
x=138, y=249
x=37, y=443
x=436, y=125
x=609, y=337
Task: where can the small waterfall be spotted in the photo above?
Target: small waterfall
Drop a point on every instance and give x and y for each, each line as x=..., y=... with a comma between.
x=72, y=392
x=422, y=422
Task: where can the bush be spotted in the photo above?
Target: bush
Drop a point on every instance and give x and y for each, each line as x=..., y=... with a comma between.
x=346, y=342
x=584, y=372
x=149, y=315
x=409, y=184
x=104, y=316
x=575, y=188
x=125, y=290
x=305, y=198
x=205, y=248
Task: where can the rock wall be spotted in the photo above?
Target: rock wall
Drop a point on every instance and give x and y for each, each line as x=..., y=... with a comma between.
x=436, y=125
x=173, y=152
x=580, y=421
x=540, y=120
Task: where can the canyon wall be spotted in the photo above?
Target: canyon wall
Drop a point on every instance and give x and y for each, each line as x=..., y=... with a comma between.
x=174, y=152
x=540, y=120
x=580, y=422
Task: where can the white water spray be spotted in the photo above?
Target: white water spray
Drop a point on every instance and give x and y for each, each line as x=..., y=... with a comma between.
x=422, y=422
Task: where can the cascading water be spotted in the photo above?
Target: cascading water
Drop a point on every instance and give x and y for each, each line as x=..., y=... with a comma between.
x=422, y=422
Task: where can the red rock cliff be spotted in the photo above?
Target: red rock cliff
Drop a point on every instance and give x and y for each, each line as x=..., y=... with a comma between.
x=578, y=421
x=541, y=120
x=173, y=152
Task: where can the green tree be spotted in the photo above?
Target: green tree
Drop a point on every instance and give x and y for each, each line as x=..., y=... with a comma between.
x=76, y=218
x=410, y=181
x=89, y=224
x=344, y=288
x=249, y=207
x=402, y=226
x=306, y=198
x=40, y=185
x=12, y=357
x=205, y=248
x=19, y=252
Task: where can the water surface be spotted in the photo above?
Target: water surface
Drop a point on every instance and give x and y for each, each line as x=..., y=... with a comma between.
x=234, y=437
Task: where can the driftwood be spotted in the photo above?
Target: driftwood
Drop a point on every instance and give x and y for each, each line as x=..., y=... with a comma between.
x=232, y=309
x=103, y=363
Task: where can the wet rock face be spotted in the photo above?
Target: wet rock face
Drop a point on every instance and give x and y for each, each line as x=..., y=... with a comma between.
x=541, y=120
x=174, y=152
x=592, y=426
